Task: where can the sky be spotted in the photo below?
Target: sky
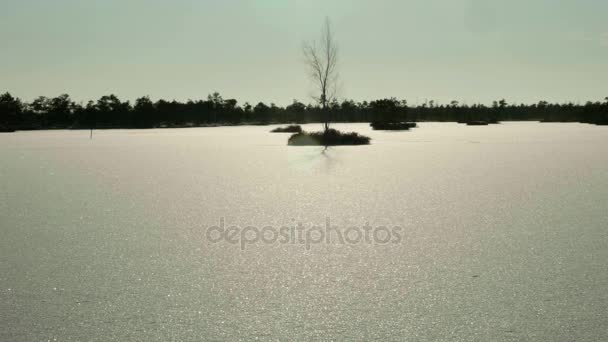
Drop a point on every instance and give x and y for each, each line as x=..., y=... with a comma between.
x=472, y=51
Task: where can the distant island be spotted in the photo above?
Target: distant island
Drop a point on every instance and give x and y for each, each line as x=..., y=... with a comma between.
x=392, y=125
x=109, y=111
x=288, y=129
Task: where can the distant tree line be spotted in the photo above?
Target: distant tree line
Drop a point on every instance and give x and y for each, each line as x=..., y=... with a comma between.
x=111, y=112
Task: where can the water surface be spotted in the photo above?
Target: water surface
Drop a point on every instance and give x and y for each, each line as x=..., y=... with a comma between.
x=504, y=235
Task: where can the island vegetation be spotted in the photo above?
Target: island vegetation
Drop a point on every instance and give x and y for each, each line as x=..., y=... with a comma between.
x=477, y=123
x=328, y=137
x=288, y=129
x=322, y=61
x=392, y=126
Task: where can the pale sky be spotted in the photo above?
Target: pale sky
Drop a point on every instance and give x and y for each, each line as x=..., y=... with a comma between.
x=465, y=50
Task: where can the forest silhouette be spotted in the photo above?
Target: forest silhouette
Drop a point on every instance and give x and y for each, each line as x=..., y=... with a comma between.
x=111, y=112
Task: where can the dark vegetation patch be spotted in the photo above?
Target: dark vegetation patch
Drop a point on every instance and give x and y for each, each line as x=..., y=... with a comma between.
x=393, y=126
x=477, y=123
x=288, y=129
x=331, y=137
x=109, y=111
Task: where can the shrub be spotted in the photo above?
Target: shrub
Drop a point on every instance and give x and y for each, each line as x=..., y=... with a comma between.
x=477, y=123
x=288, y=129
x=393, y=126
x=330, y=137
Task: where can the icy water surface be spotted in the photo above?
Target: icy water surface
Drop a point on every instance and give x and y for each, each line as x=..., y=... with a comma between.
x=503, y=235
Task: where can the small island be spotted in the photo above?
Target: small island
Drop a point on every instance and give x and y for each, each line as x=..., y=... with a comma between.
x=477, y=123
x=393, y=126
x=288, y=129
x=329, y=137
x=321, y=59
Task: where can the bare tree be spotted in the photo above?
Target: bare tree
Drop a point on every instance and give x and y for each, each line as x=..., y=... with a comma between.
x=321, y=58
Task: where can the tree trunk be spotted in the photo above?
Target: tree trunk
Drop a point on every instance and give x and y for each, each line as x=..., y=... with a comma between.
x=325, y=112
